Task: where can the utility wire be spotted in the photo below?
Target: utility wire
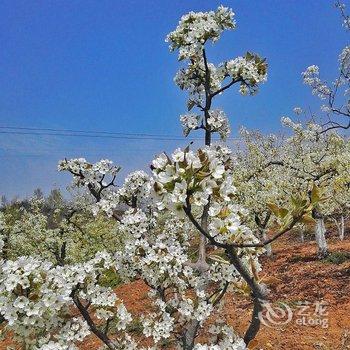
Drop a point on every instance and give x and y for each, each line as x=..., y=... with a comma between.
x=120, y=137
x=83, y=131
x=89, y=132
x=92, y=134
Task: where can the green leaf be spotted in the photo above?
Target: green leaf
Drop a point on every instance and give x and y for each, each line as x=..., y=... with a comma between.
x=315, y=195
x=190, y=104
x=274, y=208
x=288, y=219
x=283, y=212
x=307, y=219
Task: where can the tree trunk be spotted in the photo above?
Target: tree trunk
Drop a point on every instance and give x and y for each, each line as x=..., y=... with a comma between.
x=268, y=247
x=190, y=335
x=320, y=232
x=258, y=293
x=341, y=228
x=5, y=248
x=201, y=262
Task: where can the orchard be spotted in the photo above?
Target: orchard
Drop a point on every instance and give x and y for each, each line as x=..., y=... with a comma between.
x=194, y=225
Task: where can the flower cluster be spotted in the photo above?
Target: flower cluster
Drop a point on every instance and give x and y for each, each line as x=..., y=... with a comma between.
x=36, y=298
x=311, y=78
x=223, y=338
x=190, y=178
x=193, y=79
x=218, y=122
x=137, y=186
x=163, y=253
x=86, y=173
x=107, y=204
x=158, y=325
x=346, y=19
x=147, y=248
x=297, y=110
x=98, y=178
x=193, y=176
x=195, y=28
x=189, y=122
x=250, y=70
x=311, y=131
x=344, y=59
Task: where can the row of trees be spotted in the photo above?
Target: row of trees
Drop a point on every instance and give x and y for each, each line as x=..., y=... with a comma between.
x=192, y=230
x=56, y=229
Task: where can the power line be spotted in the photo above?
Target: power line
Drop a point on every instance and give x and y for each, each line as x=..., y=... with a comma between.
x=120, y=137
x=11, y=130
x=88, y=132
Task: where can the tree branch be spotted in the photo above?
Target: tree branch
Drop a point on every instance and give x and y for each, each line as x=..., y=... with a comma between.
x=258, y=295
x=187, y=210
x=94, y=329
x=234, y=81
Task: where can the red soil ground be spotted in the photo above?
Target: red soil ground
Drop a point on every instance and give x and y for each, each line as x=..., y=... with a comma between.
x=293, y=275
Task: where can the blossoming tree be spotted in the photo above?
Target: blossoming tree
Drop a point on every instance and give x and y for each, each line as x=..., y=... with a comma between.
x=190, y=201
x=259, y=182
x=335, y=94
x=313, y=158
x=335, y=116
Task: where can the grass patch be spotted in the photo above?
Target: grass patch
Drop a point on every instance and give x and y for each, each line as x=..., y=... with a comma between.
x=135, y=327
x=337, y=258
x=302, y=258
x=110, y=278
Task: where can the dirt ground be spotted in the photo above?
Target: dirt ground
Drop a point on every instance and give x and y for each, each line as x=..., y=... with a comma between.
x=317, y=293
x=310, y=300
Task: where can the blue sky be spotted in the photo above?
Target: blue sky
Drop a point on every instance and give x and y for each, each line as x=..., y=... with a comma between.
x=104, y=66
